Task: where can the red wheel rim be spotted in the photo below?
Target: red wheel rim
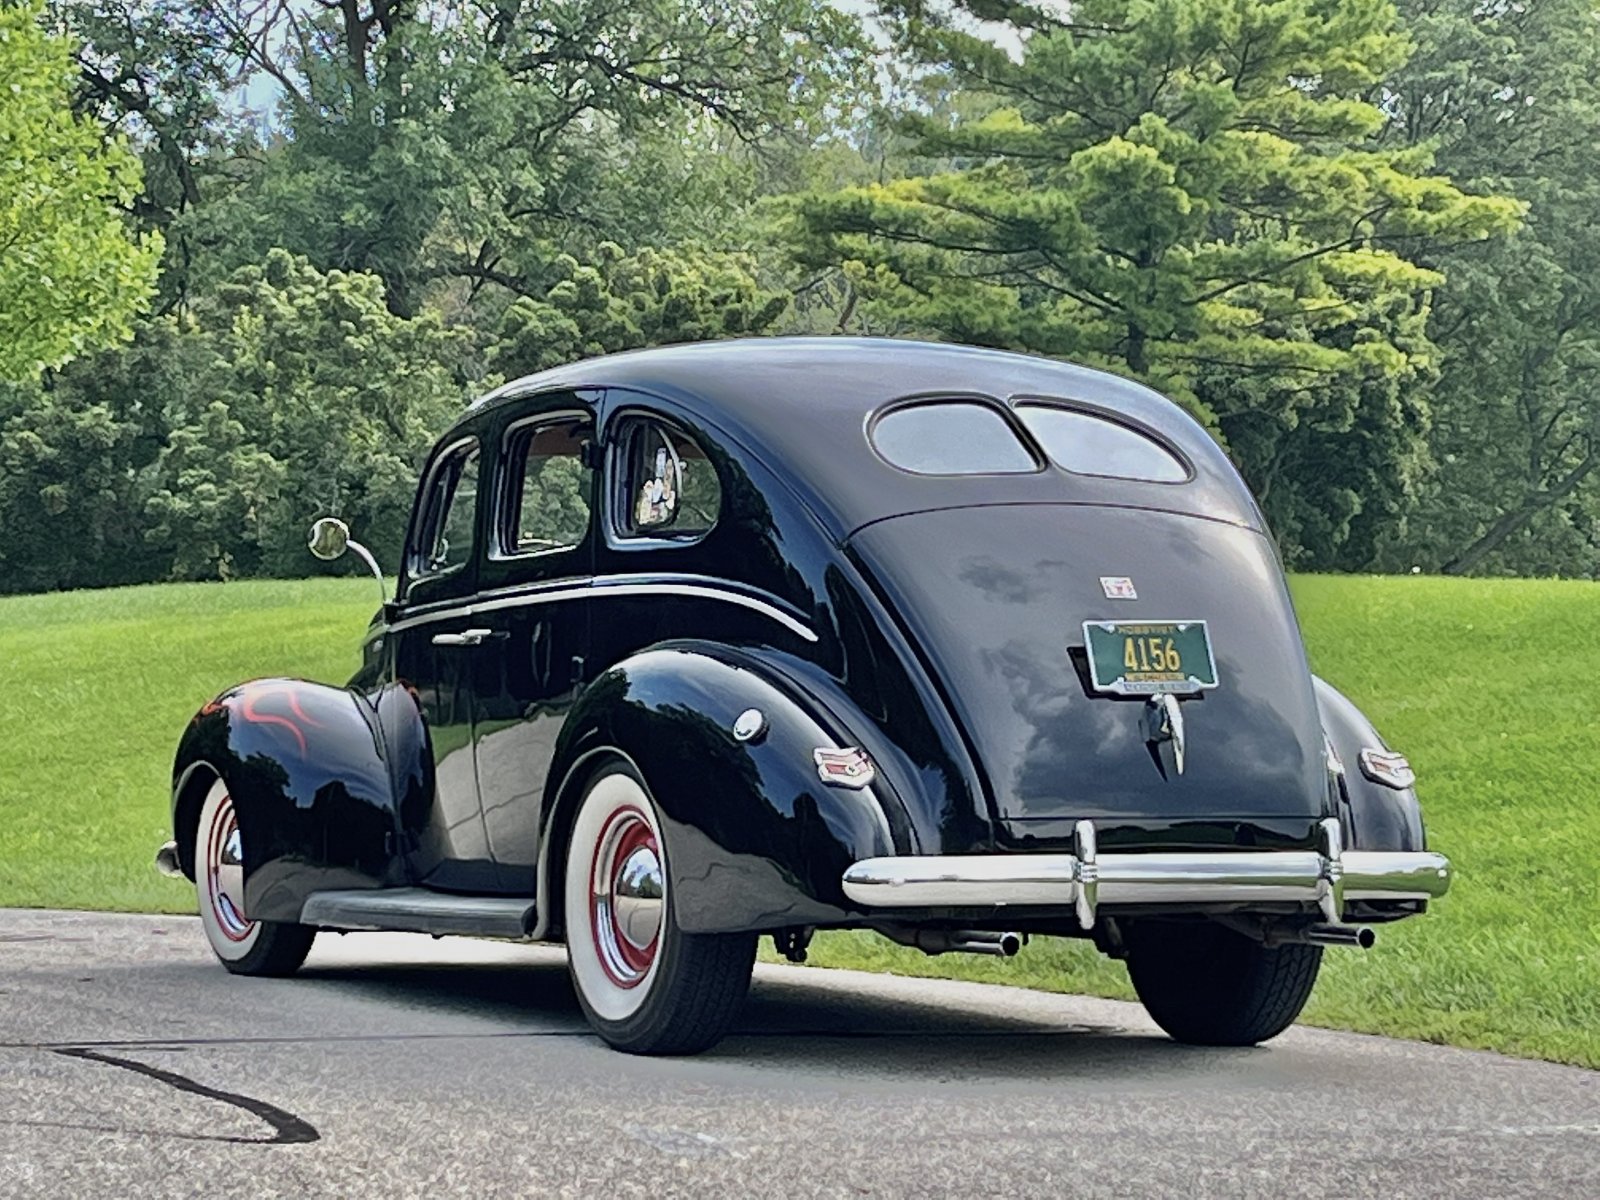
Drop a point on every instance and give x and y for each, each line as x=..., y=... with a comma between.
x=628, y=894
x=224, y=873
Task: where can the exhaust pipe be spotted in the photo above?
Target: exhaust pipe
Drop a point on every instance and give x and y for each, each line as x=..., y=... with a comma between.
x=167, y=861
x=954, y=941
x=1360, y=936
x=967, y=941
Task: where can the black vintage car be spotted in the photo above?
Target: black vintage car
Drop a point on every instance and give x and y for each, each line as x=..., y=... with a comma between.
x=697, y=644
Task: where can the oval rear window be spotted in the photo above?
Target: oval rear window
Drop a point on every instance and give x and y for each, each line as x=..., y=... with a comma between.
x=951, y=438
x=1091, y=445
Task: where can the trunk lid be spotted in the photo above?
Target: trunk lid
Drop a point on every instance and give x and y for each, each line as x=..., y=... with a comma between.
x=996, y=596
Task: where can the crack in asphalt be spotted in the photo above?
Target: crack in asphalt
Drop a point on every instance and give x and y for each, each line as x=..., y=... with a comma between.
x=287, y=1129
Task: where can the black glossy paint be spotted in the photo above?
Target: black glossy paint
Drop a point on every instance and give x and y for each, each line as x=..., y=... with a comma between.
x=1375, y=817
x=802, y=405
x=317, y=775
x=755, y=840
x=996, y=597
x=934, y=622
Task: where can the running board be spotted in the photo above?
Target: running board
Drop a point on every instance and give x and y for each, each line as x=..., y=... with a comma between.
x=418, y=910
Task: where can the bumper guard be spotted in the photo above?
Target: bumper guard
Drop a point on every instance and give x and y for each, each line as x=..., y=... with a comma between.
x=1327, y=877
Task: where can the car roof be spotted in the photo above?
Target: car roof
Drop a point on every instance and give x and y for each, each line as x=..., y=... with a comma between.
x=803, y=405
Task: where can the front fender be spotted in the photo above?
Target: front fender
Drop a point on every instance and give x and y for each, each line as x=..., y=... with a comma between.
x=314, y=789
x=755, y=839
x=1380, y=817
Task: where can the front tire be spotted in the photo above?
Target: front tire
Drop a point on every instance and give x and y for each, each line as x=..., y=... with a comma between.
x=645, y=985
x=1209, y=986
x=243, y=946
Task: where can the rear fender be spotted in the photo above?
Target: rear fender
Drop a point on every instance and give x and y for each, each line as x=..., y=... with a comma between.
x=313, y=781
x=755, y=839
x=1380, y=817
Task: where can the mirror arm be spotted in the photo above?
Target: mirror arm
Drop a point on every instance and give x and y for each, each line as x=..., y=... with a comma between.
x=365, y=556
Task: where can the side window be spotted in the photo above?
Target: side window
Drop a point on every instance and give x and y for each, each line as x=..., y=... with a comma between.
x=445, y=538
x=547, y=507
x=666, y=486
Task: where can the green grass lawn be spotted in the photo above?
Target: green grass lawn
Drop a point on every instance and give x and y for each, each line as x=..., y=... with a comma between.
x=95, y=689
x=1485, y=685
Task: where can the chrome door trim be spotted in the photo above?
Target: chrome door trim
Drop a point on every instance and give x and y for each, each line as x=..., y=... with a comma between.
x=700, y=586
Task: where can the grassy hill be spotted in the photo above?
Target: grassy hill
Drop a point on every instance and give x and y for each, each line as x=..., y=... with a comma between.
x=1486, y=685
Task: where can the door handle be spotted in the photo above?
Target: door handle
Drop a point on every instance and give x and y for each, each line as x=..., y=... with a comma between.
x=467, y=637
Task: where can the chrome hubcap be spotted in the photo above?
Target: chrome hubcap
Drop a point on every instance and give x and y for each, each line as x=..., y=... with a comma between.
x=225, y=873
x=629, y=893
x=638, y=897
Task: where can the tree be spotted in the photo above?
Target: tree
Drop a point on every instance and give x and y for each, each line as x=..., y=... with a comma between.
x=206, y=447
x=71, y=279
x=1190, y=191
x=328, y=404
x=472, y=143
x=162, y=74
x=1507, y=92
x=623, y=302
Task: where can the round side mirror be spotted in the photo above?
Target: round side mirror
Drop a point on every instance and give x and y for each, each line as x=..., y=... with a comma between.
x=330, y=537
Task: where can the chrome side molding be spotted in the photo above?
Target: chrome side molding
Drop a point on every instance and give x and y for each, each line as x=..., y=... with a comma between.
x=1326, y=878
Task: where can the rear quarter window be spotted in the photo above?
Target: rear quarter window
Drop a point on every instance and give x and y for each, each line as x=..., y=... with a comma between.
x=950, y=437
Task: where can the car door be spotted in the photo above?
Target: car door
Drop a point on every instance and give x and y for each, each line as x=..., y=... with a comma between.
x=442, y=829
x=534, y=576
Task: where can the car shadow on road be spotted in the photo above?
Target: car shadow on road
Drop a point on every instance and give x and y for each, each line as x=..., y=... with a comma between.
x=795, y=1021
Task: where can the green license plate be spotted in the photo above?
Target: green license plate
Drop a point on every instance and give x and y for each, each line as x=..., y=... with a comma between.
x=1141, y=658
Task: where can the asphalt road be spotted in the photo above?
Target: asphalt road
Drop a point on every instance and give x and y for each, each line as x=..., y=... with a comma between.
x=131, y=1064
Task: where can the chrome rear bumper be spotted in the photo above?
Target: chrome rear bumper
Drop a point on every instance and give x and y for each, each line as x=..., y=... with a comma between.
x=1085, y=879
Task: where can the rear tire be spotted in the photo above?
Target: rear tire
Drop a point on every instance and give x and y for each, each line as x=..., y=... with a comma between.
x=645, y=985
x=1209, y=986
x=243, y=946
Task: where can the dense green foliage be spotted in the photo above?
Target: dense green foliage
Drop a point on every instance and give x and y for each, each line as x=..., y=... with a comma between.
x=1511, y=103
x=78, y=830
x=71, y=279
x=1354, y=237
x=197, y=452
x=1192, y=193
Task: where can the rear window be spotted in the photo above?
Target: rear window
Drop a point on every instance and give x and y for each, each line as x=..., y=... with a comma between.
x=1092, y=445
x=951, y=438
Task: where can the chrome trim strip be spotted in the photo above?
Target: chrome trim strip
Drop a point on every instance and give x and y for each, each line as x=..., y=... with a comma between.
x=612, y=585
x=709, y=591
x=472, y=608
x=1309, y=877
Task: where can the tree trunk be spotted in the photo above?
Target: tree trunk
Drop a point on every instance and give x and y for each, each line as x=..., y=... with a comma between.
x=1137, y=357
x=1517, y=518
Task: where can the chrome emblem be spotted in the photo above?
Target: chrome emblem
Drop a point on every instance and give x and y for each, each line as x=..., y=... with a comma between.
x=1163, y=720
x=1118, y=587
x=1387, y=767
x=844, y=768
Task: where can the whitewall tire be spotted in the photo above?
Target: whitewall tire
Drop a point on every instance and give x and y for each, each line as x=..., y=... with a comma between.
x=244, y=946
x=645, y=985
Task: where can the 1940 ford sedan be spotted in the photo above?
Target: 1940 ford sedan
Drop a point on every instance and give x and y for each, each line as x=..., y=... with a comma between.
x=764, y=637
